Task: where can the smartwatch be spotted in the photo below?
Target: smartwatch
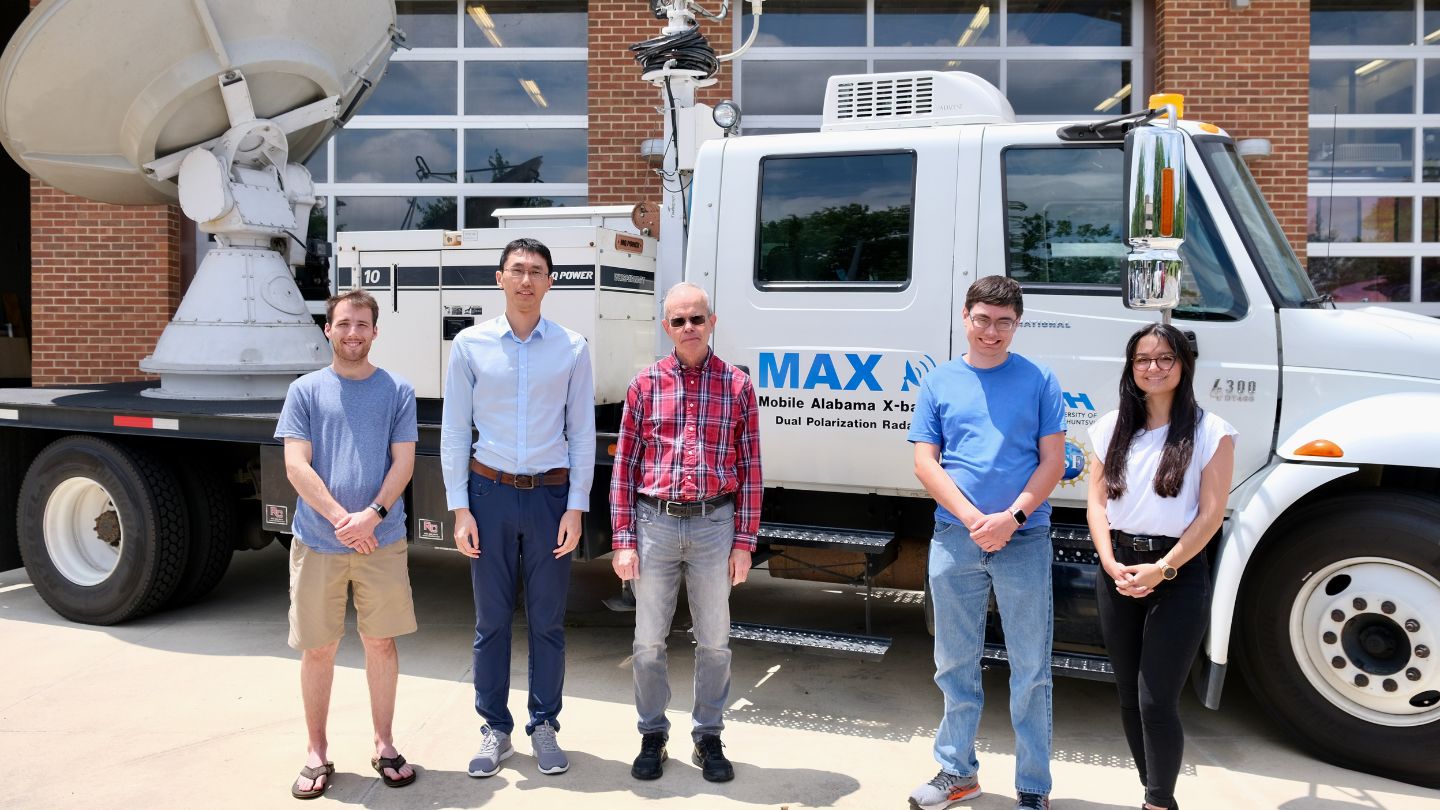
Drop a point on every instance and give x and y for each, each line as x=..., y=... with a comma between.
x=1020, y=517
x=380, y=510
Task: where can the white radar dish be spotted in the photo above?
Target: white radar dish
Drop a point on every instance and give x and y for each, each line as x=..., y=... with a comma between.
x=93, y=90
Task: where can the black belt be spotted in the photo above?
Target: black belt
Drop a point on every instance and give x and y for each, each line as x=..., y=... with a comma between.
x=1142, y=542
x=687, y=509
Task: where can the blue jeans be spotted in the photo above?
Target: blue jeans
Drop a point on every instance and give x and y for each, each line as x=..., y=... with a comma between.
x=961, y=576
x=517, y=530
x=697, y=548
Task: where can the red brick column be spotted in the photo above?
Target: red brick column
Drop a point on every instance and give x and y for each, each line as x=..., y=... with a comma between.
x=105, y=280
x=622, y=107
x=1246, y=70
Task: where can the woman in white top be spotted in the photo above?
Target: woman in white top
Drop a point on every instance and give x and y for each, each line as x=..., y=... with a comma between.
x=1160, y=473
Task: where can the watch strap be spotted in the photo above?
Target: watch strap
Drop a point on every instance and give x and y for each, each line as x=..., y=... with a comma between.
x=380, y=510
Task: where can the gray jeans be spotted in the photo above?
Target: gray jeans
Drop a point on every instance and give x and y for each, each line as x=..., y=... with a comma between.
x=699, y=549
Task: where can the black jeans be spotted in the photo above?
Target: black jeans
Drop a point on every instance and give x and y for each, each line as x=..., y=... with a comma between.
x=1152, y=642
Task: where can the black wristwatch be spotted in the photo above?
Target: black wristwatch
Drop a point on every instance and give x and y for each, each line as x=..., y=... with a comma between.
x=1020, y=517
x=380, y=510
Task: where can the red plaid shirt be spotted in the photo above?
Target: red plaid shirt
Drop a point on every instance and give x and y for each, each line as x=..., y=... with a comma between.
x=688, y=434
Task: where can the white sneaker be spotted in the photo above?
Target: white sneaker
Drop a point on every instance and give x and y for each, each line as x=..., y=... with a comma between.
x=495, y=748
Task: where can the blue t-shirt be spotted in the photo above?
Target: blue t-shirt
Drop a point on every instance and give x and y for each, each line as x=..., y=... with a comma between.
x=988, y=423
x=350, y=425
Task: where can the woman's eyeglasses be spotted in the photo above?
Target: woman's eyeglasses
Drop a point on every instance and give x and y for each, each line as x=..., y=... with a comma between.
x=1165, y=362
x=694, y=320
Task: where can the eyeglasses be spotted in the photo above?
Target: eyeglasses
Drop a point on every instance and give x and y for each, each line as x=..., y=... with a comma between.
x=518, y=273
x=1164, y=362
x=694, y=320
x=982, y=323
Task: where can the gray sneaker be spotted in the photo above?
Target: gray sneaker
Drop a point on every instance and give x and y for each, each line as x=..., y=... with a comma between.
x=547, y=750
x=944, y=790
x=495, y=748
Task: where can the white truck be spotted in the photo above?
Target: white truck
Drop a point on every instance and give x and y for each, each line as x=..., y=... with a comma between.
x=838, y=262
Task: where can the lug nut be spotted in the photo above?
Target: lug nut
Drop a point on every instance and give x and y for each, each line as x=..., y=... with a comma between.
x=1359, y=603
x=1337, y=662
x=1412, y=626
x=1361, y=679
x=1413, y=674
x=1421, y=651
x=1387, y=607
x=1329, y=637
x=1337, y=615
x=1390, y=685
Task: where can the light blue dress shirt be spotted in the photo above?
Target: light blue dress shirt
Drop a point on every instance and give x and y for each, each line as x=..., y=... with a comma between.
x=532, y=402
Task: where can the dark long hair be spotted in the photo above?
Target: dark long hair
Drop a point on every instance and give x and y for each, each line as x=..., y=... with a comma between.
x=1184, y=418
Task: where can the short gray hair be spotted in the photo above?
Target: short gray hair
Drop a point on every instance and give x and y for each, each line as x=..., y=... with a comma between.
x=686, y=285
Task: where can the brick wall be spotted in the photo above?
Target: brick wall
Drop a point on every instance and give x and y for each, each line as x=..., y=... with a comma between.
x=622, y=107
x=105, y=281
x=1248, y=72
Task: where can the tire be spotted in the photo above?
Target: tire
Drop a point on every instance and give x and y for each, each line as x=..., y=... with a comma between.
x=212, y=517
x=103, y=530
x=1341, y=633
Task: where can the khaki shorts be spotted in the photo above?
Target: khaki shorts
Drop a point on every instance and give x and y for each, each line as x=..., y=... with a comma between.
x=320, y=585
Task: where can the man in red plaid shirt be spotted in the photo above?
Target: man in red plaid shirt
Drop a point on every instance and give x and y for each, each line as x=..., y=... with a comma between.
x=685, y=501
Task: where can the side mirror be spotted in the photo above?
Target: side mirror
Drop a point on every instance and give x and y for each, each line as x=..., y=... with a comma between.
x=1155, y=216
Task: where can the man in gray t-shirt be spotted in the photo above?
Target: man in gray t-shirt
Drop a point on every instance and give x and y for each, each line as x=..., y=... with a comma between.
x=350, y=434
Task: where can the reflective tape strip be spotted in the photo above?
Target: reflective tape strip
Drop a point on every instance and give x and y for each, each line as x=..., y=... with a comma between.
x=9, y=413
x=147, y=423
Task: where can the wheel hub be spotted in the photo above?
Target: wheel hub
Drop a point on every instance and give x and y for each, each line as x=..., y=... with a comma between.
x=107, y=527
x=83, y=531
x=1362, y=630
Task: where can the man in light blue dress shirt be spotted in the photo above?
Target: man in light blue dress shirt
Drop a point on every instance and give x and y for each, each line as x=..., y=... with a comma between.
x=526, y=386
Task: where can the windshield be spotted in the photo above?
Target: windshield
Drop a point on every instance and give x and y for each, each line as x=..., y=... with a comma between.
x=1270, y=251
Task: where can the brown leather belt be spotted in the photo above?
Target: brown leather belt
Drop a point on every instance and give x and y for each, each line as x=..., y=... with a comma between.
x=1142, y=542
x=559, y=475
x=686, y=509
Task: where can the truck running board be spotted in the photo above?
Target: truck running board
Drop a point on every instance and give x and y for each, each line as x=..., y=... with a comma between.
x=1075, y=665
x=869, y=543
x=817, y=642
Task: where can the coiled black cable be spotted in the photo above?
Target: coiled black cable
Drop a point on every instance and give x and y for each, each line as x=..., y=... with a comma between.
x=689, y=49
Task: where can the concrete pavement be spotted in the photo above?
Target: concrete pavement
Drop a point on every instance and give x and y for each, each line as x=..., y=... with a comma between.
x=200, y=708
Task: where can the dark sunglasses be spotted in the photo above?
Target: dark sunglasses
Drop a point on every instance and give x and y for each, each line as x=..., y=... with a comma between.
x=694, y=320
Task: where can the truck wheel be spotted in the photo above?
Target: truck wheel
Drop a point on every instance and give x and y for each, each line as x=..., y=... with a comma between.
x=102, y=530
x=211, y=510
x=1341, y=633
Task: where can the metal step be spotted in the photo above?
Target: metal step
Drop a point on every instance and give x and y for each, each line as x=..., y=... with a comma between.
x=859, y=540
x=818, y=642
x=1074, y=665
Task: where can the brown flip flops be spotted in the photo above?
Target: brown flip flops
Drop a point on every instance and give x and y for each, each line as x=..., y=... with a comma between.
x=394, y=763
x=327, y=770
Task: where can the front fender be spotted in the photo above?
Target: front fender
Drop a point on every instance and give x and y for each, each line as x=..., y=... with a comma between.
x=1396, y=429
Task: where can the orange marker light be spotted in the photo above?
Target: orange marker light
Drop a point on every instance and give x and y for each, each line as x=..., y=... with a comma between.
x=1159, y=100
x=1320, y=448
x=611, y=448
x=1210, y=128
x=1167, y=202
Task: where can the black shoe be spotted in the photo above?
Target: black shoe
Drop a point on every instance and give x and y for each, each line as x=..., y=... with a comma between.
x=651, y=762
x=710, y=757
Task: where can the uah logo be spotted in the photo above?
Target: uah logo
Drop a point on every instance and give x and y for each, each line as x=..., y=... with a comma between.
x=914, y=371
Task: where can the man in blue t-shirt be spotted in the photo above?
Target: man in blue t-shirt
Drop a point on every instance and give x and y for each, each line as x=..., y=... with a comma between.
x=989, y=436
x=350, y=434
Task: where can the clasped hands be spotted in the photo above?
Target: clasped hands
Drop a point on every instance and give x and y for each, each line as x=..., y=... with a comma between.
x=993, y=531
x=1135, y=581
x=356, y=530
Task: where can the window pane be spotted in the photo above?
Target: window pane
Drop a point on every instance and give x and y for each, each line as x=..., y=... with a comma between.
x=1081, y=22
x=316, y=164
x=843, y=219
x=1209, y=285
x=1362, y=279
x=809, y=23
x=1362, y=22
x=478, y=210
x=1430, y=168
x=789, y=88
x=414, y=88
x=525, y=88
x=1064, y=215
x=1362, y=155
x=987, y=70
x=1360, y=219
x=1430, y=279
x=1069, y=88
x=525, y=23
x=426, y=23
x=395, y=156
x=932, y=23
x=1364, y=86
x=394, y=213
x=1430, y=219
x=1432, y=22
x=525, y=155
x=1432, y=84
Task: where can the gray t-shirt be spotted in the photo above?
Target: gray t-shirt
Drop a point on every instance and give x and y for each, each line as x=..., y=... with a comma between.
x=350, y=425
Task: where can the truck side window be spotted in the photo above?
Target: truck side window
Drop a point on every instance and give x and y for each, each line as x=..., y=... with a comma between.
x=836, y=221
x=1065, y=235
